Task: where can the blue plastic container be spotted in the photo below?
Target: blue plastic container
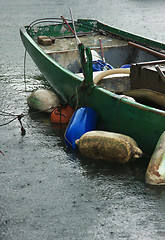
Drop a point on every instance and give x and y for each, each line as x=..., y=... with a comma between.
x=82, y=121
x=126, y=66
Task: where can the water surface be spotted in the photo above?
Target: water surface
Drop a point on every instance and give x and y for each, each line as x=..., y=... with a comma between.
x=46, y=190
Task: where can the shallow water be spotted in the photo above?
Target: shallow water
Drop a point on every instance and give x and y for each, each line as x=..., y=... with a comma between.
x=48, y=191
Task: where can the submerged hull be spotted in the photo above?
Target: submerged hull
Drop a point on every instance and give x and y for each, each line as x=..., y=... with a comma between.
x=144, y=124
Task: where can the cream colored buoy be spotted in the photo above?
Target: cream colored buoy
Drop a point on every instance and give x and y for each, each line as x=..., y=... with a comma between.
x=109, y=146
x=43, y=100
x=155, y=174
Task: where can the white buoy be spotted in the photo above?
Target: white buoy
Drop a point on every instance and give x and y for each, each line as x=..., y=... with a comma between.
x=155, y=174
x=43, y=100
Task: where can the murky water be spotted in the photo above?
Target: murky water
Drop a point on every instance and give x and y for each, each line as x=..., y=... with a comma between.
x=46, y=190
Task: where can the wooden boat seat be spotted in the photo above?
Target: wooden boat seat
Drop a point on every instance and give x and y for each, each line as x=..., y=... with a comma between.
x=147, y=97
x=145, y=75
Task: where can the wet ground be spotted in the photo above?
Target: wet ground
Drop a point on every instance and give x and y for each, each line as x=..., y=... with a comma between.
x=48, y=191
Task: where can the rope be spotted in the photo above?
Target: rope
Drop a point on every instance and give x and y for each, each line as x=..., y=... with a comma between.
x=7, y=114
x=2, y=153
x=19, y=117
x=80, y=89
x=77, y=99
x=1, y=125
x=25, y=69
x=57, y=111
x=23, y=131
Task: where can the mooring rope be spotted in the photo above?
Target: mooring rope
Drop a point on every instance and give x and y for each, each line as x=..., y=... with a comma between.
x=79, y=90
x=19, y=117
x=24, y=69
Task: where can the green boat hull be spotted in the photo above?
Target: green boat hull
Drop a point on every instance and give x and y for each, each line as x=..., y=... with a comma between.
x=144, y=124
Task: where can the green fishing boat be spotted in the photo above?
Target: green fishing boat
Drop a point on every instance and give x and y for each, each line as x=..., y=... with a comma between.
x=128, y=93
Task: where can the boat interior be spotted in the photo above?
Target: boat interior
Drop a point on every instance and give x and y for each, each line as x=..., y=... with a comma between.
x=146, y=81
x=117, y=52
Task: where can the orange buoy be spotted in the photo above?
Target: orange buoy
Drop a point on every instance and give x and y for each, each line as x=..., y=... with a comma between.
x=62, y=114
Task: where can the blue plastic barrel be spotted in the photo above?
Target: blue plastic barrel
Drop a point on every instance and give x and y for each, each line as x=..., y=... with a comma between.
x=82, y=121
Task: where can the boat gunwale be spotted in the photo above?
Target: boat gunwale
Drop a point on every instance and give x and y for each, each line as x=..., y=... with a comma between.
x=132, y=36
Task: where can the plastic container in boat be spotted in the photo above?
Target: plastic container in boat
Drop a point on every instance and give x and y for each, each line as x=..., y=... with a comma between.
x=98, y=64
x=82, y=121
x=126, y=66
